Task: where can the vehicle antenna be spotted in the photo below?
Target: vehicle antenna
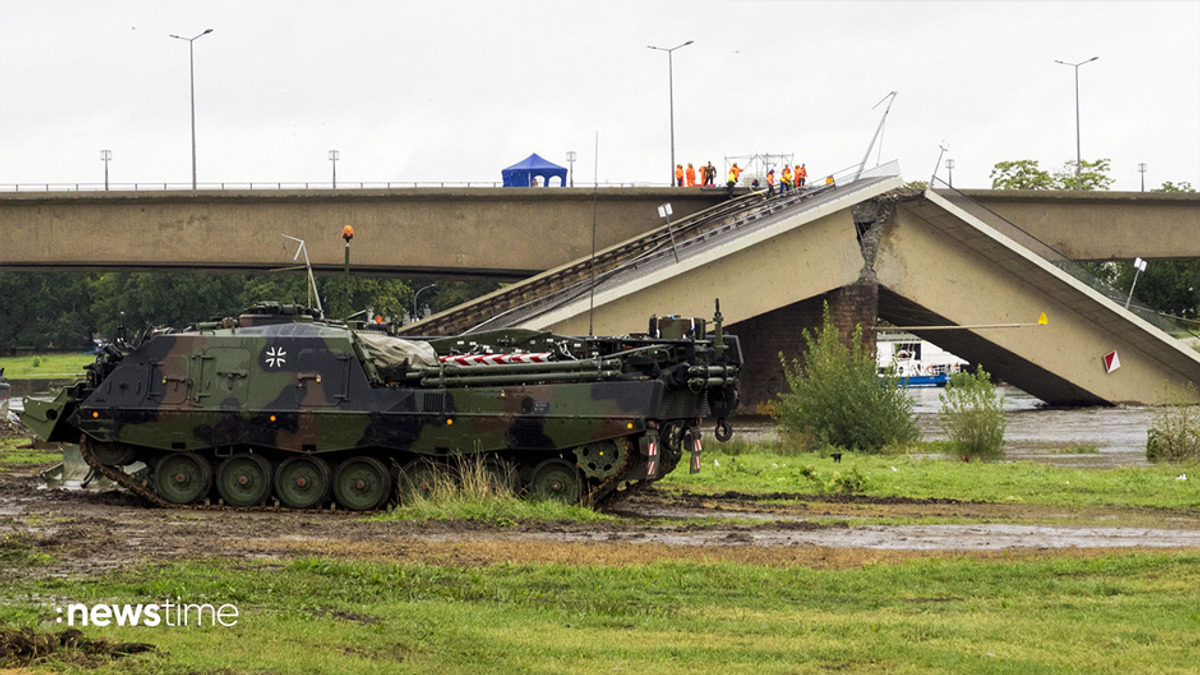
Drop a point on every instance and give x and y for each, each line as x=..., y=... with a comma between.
x=312, y=282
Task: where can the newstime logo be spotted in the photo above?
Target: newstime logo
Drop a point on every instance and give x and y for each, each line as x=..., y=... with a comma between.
x=166, y=614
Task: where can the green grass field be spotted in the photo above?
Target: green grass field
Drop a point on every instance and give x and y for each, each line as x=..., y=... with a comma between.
x=15, y=457
x=871, y=611
x=48, y=365
x=1132, y=613
x=907, y=476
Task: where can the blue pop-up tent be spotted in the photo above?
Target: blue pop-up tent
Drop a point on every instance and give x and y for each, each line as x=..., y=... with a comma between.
x=523, y=172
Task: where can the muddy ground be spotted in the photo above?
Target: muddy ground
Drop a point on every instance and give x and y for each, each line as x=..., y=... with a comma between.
x=87, y=532
x=90, y=532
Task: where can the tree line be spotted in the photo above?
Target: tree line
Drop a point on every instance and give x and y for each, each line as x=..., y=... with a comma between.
x=67, y=310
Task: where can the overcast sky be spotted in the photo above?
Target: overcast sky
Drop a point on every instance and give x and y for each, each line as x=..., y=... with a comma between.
x=456, y=91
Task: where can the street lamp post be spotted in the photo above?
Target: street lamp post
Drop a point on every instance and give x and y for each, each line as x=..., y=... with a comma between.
x=192, y=71
x=571, y=161
x=333, y=158
x=1139, y=266
x=106, y=156
x=1078, y=153
x=950, y=170
x=1142, y=170
x=671, y=94
x=416, y=307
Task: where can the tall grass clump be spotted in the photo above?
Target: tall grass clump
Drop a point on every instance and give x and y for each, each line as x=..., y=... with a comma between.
x=838, y=398
x=972, y=416
x=477, y=489
x=1174, y=434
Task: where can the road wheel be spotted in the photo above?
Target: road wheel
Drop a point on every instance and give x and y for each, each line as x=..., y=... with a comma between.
x=557, y=479
x=362, y=484
x=111, y=454
x=183, y=478
x=601, y=459
x=244, y=479
x=422, y=478
x=302, y=482
x=502, y=476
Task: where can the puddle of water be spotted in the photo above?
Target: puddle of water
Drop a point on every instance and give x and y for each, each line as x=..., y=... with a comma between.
x=1033, y=433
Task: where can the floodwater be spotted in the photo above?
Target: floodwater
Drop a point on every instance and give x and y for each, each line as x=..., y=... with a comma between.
x=1035, y=431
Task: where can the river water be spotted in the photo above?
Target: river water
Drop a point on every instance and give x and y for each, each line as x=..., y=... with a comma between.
x=1034, y=432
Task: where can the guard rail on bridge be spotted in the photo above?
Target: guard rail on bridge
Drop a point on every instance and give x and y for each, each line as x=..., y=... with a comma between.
x=625, y=263
x=1077, y=270
x=285, y=185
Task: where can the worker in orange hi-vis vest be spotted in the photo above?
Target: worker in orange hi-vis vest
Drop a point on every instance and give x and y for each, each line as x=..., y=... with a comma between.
x=691, y=175
x=735, y=172
x=801, y=176
x=679, y=175
x=785, y=180
x=771, y=183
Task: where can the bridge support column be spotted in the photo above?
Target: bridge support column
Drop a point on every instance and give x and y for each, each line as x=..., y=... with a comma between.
x=765, y=337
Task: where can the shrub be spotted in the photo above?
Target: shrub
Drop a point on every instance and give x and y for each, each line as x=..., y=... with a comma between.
x=972, y=416
x=850, y=483
x=837, y=396
x=1174, y=434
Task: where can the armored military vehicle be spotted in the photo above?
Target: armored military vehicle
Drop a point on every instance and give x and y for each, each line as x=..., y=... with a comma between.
x=279, y=408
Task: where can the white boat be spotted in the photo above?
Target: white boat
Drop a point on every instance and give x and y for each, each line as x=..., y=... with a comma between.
x=918, y=363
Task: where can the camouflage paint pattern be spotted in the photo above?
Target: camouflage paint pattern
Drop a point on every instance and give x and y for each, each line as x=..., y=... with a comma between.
x=302, y=388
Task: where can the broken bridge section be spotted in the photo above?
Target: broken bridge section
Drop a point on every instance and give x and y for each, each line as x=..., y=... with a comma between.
x=942, y=260
x=866, y=247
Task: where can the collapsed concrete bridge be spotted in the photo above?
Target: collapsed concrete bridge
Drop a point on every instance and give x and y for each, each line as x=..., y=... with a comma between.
x=871, y=249
x=862, y=244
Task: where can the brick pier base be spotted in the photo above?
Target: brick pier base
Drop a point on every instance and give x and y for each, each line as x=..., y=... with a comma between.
x=766, y=336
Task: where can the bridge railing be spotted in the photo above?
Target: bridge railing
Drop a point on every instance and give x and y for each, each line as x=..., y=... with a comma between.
x=1077, y=270
x=284, y=185
x=756, y=217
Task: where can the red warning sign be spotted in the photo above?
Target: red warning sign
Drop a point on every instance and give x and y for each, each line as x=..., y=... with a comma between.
x=1111, y=362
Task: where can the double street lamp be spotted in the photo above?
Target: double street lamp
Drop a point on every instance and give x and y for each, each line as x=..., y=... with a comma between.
x=671, y=94
x=333, y=158
x=192, y=70
x=1078, y=154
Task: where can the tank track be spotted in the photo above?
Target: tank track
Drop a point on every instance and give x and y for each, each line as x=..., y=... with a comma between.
x=606, y=492
x=142, y=490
